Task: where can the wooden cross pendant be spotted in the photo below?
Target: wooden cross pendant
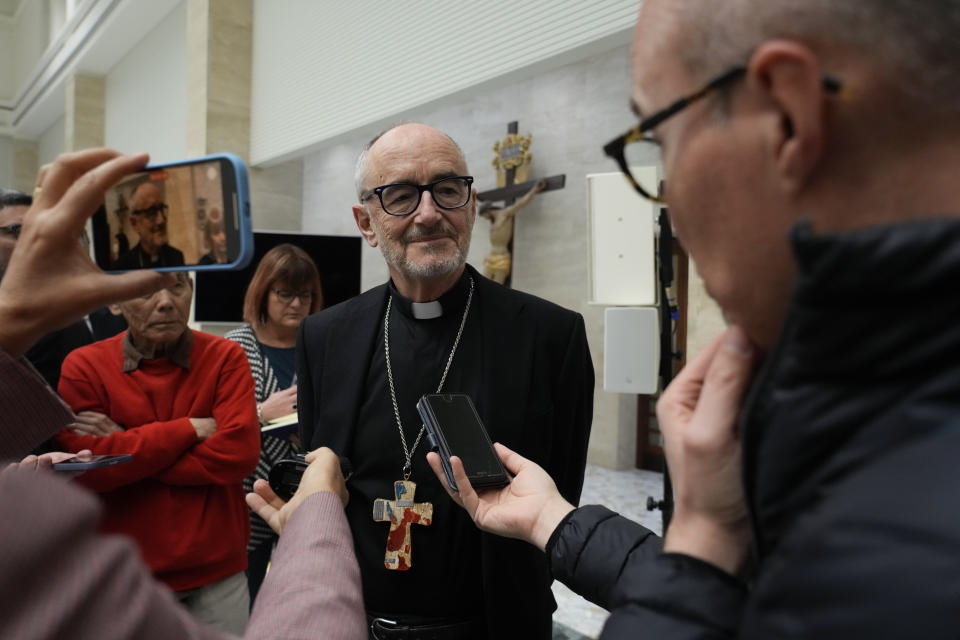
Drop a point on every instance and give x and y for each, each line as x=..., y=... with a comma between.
x=401, y=514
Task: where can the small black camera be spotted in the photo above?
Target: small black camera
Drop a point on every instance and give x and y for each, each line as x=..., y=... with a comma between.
x=285, y=475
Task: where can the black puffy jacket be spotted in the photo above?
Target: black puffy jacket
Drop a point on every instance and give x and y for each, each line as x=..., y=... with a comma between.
x=851, y=442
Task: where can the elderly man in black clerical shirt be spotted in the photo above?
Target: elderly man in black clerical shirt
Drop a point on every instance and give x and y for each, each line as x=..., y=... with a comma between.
x=148, y=217
x=438, y=325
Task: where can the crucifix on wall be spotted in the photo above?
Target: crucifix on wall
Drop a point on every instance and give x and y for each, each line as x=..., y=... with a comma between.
x=515, y=190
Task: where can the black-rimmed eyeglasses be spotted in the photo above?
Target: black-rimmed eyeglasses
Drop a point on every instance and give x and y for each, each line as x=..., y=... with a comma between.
x=286, y=297
x=151, y=211
x=403, y=198
x=648, y=150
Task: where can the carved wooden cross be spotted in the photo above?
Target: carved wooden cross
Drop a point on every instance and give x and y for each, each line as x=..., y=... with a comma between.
x=401, y=514
x=513, y=190
x=509, y=193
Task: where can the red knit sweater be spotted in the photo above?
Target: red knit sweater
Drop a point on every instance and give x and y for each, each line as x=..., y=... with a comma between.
x=179, y=498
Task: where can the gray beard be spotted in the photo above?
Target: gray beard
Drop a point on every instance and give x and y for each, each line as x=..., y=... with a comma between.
x=395, y=257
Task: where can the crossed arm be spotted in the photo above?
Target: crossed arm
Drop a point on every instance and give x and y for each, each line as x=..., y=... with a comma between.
x=219, y=449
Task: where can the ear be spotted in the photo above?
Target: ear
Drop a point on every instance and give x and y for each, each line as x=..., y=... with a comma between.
x=362, y=217
x=472, y=212
x=789, y=75
x=115, y=309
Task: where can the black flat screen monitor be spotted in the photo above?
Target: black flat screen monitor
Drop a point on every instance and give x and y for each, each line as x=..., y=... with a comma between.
x=220, y=294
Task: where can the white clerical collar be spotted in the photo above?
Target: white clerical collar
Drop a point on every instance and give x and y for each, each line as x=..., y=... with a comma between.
x=426, y=310
x=452, y=301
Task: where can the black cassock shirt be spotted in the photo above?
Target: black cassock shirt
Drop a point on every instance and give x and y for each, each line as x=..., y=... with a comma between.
x=444, y=580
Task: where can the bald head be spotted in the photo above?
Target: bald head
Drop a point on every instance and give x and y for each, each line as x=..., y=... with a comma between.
x=145, y=195
x=404, y=134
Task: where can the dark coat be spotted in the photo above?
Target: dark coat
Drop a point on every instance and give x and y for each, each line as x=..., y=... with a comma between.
x=851, y=441
x=48, y=353
x=538, y=386
x=136, y=258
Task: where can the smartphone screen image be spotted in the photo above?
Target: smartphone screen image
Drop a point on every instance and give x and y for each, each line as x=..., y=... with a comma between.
x=456, y=429
x=185, y=215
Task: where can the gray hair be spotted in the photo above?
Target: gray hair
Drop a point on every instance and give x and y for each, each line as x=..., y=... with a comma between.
x=917, y=43
x=360, y=171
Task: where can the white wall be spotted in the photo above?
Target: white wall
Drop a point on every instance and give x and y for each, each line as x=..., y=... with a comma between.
x=52, y=142
x=6, y=162
x=31, y=35
x=323, y=69
x=56, y=19
x=7, y=88
x=146, y=93
x=571, y=112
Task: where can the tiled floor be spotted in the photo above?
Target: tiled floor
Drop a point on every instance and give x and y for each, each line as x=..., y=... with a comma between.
x=626, y=493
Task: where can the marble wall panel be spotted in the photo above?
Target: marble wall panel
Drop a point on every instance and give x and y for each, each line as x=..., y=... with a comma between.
x=25, y=165
x=85, y=112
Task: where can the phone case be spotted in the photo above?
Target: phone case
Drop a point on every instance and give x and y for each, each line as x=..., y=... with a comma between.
x=97, y=462
x=438, y=441
x=233, y=170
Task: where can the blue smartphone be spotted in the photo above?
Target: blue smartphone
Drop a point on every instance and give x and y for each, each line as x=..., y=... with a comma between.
x=93, y=462
x=192, y=215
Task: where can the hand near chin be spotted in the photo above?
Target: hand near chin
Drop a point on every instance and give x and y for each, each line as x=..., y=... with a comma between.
x=698, y=416
x=529, y=508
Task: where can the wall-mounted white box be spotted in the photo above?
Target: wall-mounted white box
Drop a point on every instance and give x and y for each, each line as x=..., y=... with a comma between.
x=621, y=228
x=631, y=349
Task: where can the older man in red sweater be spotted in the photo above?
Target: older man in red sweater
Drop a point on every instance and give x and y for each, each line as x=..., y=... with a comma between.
x=182, y=402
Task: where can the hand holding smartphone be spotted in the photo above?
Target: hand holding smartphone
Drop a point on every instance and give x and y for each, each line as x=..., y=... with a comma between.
x=454, y=428
x=188, y=215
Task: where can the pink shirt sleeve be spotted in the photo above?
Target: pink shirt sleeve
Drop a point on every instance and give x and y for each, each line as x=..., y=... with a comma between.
x=313, y=587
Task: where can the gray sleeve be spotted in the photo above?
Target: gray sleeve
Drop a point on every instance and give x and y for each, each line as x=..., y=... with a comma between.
x=31, y=411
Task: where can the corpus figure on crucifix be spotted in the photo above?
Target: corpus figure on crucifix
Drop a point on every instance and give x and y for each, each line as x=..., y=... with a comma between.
x=498, y=263
x=512, y=163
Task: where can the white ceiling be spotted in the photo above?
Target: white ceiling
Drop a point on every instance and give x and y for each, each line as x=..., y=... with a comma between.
x=9, y=7
x=125, y=23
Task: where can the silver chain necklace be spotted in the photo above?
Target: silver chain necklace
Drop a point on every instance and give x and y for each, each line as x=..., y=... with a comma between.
x=408, y=453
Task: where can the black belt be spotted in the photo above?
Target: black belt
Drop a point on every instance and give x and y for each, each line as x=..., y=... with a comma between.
x=390, y=628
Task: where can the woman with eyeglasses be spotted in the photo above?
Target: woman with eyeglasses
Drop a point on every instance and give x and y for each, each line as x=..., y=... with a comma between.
x=284, y=289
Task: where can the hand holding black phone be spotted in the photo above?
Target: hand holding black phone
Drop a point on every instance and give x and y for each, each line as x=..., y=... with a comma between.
x=454, y=428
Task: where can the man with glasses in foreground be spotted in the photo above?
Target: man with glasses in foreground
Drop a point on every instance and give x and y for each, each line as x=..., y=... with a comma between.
x=438, y=325
x=813, y=183
x=148, y=217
